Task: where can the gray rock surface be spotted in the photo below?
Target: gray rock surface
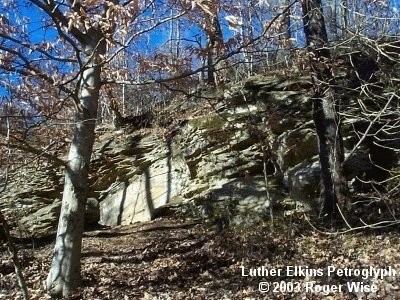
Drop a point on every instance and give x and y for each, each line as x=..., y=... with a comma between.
x=257, y=149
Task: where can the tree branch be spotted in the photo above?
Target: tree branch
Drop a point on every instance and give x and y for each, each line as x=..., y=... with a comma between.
x=23, y=146
x=203, y=68
x=33, y=48
x=51, y=9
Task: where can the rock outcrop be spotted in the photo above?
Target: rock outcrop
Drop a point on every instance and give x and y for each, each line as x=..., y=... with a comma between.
x=254, y=148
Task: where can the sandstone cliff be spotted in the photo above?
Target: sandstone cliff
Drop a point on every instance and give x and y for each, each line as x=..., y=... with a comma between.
x=225, y=156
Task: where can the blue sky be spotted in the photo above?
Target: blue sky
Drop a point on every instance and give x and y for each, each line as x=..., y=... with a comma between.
x=156, y=40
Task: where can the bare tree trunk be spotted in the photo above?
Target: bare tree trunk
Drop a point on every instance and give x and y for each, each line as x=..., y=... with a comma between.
x=246, y=29
x=285, y=34
x=65, y=273
x=12, y=250
x=215, y=41
x=345, y=17
x=285, y=29
x=326, y=119
x=333, y=21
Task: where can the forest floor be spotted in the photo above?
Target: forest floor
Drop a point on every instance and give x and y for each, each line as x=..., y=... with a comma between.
x=182, y=259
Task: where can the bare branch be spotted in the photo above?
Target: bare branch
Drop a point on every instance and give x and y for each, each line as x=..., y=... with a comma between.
x=51, y=9
x=33, y=48
x=23, y=146
x=196, y=71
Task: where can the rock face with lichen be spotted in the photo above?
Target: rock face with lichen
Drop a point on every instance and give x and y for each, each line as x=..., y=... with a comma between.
x=252, y=148
x=232, y=163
